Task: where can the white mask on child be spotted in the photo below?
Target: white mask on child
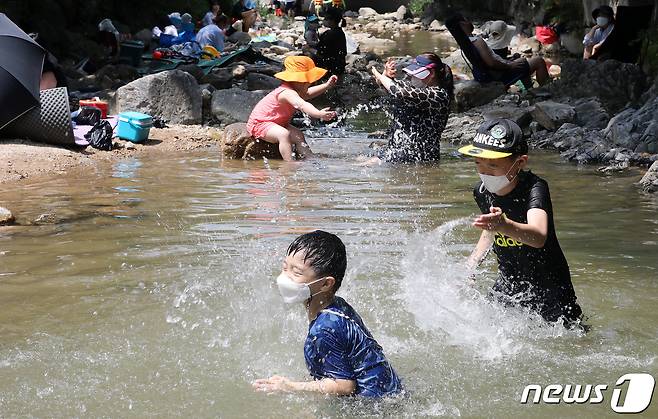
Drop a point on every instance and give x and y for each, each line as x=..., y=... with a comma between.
x=496, y=183
x=602, y=21
x=293, y=292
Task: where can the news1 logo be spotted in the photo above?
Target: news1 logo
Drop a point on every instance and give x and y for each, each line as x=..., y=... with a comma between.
x=637, y=396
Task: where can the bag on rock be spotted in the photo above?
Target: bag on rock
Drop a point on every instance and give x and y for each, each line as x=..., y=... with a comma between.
x=100, y=136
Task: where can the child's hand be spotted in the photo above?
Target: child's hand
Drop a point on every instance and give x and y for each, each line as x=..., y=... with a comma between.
x=390, y=70
x=492, y=221
x=327, y=115
x=332, y=81
x=274, y=383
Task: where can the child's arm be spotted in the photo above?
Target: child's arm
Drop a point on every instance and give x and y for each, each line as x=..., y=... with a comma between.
x=533, y=233
x=331, y=386
x=316, y=91
x=481, y=250
x=291, y=97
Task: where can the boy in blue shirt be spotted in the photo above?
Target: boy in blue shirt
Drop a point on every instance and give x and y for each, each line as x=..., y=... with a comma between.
x=341, y=355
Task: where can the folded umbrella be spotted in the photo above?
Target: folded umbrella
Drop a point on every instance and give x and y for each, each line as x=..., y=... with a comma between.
x=21, y=63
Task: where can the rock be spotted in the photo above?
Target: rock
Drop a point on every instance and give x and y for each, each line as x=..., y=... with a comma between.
x=614, y=83
x=649, y=181
x=268, y=69
x=367, y=12
x=518, y=114
x=355, y=62
x=279, y=50
x=469, y=94
x=237, y=143
x=436, y=26
x=590, y=113
x=219, y=79
x=257, y=81
x=457, y=63
x=6, y=217
x=551, y=115
x=369, y=43
x=239, y=71
x=173, y=95
x=193, y=70
x=461, y=128
x=234, y=105
x=239, y=38
x=144, y=35
x=401, y=13
x=122, y=72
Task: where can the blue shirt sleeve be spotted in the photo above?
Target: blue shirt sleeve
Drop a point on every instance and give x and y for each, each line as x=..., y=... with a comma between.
x=327, y=355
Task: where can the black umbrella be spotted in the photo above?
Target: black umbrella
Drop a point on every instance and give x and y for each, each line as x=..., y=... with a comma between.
x=21, y=62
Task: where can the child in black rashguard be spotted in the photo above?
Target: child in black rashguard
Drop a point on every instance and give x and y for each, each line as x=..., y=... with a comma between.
x=517, y=220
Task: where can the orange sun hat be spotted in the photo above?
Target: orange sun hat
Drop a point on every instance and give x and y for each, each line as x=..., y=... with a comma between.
x=300, y=69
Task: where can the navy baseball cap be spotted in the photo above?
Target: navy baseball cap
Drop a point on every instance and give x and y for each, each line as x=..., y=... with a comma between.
x=497, y=139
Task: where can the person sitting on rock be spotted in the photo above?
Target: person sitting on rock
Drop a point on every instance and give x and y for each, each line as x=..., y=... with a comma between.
x=605, y=24
x=420, y=109
x=332, y=47
x=209, y=17
x=311, y=37
x=213, y=35
x=500, y=36
x=271, y=117
x=495, y=67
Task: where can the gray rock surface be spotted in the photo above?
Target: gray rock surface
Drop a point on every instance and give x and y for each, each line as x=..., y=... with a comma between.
x=256, y=81
x=173, y=95
x=234, y=105
x=590, y=113
x=551, y=115
x=367, y=12
x=469, y=94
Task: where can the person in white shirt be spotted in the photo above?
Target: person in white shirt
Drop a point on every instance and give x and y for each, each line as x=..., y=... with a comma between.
x=605, y=24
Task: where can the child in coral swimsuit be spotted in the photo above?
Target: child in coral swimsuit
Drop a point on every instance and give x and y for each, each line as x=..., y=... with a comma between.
x=270, y=119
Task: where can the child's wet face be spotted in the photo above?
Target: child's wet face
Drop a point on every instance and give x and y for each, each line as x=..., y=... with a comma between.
x=297, y=269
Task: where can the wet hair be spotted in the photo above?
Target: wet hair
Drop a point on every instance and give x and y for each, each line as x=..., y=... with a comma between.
x=335, y=15
x=443, y=74
x=325, y=252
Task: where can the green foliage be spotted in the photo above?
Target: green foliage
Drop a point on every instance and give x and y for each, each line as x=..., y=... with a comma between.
x=418, y=6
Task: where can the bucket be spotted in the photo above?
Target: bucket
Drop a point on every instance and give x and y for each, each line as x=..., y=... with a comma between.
x=96, y=103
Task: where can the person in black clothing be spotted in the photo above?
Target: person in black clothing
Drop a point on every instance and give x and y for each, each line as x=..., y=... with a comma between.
x=332, y=48
x=517, y=219
x=419, y=109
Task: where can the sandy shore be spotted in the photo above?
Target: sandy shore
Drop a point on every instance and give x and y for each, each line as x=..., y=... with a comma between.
x=23, y=159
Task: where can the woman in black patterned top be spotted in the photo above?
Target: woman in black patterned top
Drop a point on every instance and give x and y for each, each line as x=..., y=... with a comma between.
x=420, y=108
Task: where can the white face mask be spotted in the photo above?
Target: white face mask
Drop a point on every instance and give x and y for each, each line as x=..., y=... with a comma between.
x=293, y=292
x=602, y=21
x=496, y=183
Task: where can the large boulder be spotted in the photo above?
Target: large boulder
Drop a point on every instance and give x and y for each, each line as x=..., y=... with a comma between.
x=649, y=181
x=518, y=114
x=551, y=115
x=401, y=13
x=256, y=81
x=469, y=94
x=220, y=79
x=173, y=95
x=590, y=113
x=234, y=105
x=237, y=143
x=369, y=43
x=239, y=38
x=613, y=82
x=636, y=129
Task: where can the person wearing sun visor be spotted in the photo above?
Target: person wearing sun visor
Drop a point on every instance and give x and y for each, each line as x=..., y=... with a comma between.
x=419, y=108
x=517, y=220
